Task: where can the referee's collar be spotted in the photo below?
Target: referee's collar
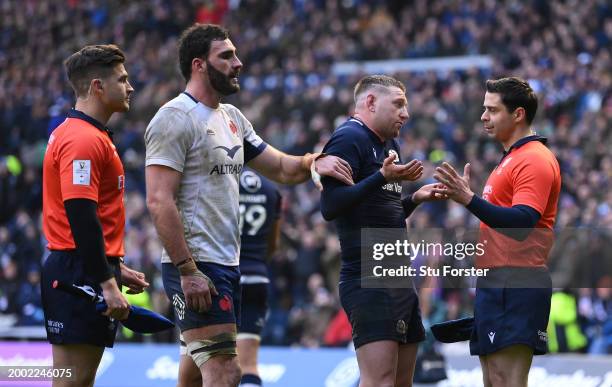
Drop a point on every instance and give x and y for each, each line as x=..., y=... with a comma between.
x=73, y=113
x=522, y=141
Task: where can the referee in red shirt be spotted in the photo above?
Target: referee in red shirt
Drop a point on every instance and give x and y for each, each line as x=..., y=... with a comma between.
x=84, y=217
x=517, y=212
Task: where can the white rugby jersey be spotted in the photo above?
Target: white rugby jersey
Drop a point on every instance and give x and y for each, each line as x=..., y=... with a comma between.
x=209, y=147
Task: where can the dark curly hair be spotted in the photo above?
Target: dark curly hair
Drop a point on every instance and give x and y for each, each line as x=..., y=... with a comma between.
x=195, y=42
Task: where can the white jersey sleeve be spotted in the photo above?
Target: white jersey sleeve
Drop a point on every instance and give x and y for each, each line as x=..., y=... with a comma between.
x=168, y=138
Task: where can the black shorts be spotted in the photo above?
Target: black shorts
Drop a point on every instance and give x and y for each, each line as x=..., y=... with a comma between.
x=225, y=307
x=70, y=319
x=382, y=314
x=254, y=308
x=505, y=317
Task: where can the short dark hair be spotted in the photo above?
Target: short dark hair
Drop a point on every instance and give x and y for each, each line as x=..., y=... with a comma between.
x=515, y=92
x=90, y=62
x=195, y=42
x=367, y=82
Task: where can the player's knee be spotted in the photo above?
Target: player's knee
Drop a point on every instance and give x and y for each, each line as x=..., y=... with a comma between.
x=233, y=372
x=498, y=376
x=382, y=377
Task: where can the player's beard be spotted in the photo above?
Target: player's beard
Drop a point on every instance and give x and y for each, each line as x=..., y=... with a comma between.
x=221, y=82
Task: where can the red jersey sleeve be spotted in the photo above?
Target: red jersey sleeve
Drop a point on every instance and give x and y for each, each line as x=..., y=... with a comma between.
x=81, y=161
x=532, y=180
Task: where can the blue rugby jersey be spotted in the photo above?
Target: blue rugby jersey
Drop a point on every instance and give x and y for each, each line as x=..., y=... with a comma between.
x=260, y=204
x=379, y=207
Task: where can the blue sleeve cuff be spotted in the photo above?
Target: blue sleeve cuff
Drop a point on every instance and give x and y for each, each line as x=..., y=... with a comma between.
x=250, y=151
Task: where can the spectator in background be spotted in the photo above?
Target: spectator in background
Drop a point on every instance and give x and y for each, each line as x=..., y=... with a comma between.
x=28, y=300
x=595, y=308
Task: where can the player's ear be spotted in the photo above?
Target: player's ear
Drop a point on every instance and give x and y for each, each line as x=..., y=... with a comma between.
x=519, y=114
x=96, y=86
x=371, y=102
x=198, y=65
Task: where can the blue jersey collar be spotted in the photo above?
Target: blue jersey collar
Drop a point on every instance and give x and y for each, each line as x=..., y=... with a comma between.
x=367, y=128
x=522, y=141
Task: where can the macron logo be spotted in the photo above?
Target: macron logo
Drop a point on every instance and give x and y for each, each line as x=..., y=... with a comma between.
x=230, y=152
x=491, y=336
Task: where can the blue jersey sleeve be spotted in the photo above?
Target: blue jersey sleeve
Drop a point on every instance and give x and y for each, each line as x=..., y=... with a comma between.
x=336, y=197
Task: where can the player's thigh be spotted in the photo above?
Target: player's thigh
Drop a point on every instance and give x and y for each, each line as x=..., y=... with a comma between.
x=225, y=307
x=189, y=374
x=406, y=360
x=377, y=363
x=83, y=361
x=510, y=366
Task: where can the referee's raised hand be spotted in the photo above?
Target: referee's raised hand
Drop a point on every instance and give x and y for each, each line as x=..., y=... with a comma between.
x=455, y=187
x=117, y=306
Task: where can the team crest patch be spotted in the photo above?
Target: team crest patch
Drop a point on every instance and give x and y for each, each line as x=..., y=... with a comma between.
x=233, y=127
x=401, y=327
x=225, y=303
x=81, y=172
x=392, y=152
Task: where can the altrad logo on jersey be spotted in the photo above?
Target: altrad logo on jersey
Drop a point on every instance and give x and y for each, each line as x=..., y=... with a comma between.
x=227, y=169
x=230, y=152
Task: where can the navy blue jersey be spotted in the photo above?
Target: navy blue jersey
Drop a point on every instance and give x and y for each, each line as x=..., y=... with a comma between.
x=260, y=204
x=381, y=207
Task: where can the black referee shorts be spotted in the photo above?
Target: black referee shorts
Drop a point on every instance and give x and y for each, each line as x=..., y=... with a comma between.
x=70, y=319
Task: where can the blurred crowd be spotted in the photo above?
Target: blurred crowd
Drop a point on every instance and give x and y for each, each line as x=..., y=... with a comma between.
x=294, y=100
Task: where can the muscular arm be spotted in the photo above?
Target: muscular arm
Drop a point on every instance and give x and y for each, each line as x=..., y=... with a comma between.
x=281, y=167
x=162, y=187
x=287, y=169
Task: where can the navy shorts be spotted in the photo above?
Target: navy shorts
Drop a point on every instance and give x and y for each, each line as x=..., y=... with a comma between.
x=70, y=319
x=382, y=314
x=510, y=316
x=254, y=308
x=225, y=307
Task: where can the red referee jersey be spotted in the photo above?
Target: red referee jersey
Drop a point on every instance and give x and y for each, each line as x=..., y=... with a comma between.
x=529, y=175
x=82, y=162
